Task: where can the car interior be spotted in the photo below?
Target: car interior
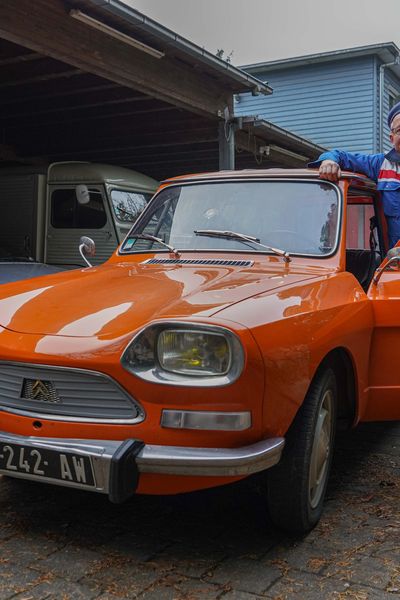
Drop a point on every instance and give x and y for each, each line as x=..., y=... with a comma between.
x=366, y=236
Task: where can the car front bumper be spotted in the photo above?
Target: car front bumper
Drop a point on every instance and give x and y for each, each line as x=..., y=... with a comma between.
x=117, y=465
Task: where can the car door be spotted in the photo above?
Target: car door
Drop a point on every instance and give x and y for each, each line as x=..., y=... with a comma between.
x=384, y=370
x=68, y=220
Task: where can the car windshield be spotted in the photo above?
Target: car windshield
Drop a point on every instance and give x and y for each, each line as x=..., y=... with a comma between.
x=299, y=217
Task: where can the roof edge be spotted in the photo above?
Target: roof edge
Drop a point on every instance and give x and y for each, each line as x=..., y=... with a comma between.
x=134, y=17
x=324, y=56
x=263, y=127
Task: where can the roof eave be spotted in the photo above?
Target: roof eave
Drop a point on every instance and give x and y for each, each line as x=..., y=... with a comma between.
x=387, y=51
x=243, y=81
x=262, y=127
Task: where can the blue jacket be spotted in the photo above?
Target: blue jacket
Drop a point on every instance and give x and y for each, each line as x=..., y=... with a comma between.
x=382, y=168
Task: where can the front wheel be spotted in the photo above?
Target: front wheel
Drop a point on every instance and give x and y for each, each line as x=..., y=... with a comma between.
x=297, y=485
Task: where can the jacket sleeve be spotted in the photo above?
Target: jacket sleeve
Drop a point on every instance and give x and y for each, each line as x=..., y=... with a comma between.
x=368, y=164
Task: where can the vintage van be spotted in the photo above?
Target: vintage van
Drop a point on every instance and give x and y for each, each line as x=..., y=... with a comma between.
x=45, y=211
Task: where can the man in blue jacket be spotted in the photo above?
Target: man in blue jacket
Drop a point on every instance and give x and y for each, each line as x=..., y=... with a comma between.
x=382, y=168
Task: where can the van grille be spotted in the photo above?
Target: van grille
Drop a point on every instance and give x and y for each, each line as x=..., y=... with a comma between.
x=65, y=394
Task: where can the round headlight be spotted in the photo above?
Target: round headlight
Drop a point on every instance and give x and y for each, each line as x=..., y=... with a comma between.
x=185, y=355
x=192, y=352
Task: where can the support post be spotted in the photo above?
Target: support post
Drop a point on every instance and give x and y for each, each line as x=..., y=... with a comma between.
x=226, y=138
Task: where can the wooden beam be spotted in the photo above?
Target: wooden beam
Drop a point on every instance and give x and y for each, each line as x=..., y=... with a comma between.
x=172, y=157
x=117, y=155
x=65, y=73
x=77, y=144
x=54, y=105
x=80, y=83
x=96, y=112
x=22, y=58
x=46, y=27
x=163, y=121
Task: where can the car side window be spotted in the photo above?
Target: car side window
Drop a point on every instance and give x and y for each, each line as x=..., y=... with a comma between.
x=128, y=205
x=68, y=213
x=358, y=226
x=363, y=253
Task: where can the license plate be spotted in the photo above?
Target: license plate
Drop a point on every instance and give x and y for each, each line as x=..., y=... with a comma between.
x=43, y=463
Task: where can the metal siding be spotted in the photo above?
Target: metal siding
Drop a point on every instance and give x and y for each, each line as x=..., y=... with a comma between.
x=331, y=104
x=17, y=226
x=375, y=146
x=391, y=84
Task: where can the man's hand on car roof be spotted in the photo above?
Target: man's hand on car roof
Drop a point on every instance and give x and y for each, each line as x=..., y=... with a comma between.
x=329, y=170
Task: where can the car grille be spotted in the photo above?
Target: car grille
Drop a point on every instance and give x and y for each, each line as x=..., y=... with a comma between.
x=199, y=261
x=65, y=394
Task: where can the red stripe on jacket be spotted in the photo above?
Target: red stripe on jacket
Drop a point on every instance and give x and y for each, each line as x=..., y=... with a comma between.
x=388, y=174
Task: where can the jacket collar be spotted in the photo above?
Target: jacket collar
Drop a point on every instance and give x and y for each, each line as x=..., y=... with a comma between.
x=393, y=156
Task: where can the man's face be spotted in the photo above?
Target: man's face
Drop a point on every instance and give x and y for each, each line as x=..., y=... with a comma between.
x=395, y=133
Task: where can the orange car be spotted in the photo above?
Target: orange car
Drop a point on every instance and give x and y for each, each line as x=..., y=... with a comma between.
x=242, y=319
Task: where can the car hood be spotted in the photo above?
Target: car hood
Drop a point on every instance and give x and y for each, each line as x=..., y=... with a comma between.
x=16, y=270
x=114, y=299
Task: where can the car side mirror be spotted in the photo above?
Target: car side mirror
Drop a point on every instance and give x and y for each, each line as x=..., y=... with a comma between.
x=393, y=253
x=87, y=247
x=82, y=194
x=392, y=261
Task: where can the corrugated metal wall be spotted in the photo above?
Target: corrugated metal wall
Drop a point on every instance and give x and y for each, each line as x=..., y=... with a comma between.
x=392, y=87
x=18, y=196
x=331, y=104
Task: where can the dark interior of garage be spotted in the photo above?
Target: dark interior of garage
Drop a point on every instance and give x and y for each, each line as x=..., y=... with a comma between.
x=61, y=110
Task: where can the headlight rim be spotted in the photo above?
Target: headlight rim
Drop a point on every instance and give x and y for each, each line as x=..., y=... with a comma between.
x=193, y=330
x=156, y=374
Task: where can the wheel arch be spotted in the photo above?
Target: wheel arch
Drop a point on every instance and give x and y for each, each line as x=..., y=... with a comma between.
x=340, y=360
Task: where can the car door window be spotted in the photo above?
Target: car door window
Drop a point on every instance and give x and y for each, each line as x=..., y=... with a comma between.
x=362, y=240
x=68, y=213
x=358, y=226
x=128, y=205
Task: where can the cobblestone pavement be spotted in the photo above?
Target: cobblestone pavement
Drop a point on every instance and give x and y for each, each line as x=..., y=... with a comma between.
x=63, y=544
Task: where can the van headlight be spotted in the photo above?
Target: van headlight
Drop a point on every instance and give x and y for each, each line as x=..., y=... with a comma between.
x=184, y=354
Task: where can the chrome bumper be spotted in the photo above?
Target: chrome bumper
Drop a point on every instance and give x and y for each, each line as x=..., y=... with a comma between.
x=177, y=460
x=166, y=460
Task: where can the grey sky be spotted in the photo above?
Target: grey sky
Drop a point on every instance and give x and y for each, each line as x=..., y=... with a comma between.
x=259, y=30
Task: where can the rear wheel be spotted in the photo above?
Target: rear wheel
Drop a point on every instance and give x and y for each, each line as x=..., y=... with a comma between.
x=297, y=485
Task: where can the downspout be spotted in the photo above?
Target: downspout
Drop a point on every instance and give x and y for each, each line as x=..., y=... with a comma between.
x=381, y=95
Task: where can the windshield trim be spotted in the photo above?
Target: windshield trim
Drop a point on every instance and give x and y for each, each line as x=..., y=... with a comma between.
x=233, y=179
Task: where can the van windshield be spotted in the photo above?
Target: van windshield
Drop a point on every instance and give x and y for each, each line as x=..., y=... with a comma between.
x=300, y=217
x=129, y=205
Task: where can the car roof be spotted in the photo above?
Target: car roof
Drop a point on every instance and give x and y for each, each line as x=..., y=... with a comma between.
x=249, y=174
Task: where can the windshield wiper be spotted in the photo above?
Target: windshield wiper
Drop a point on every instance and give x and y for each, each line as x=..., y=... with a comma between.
x=153, y=238
x=234, y=235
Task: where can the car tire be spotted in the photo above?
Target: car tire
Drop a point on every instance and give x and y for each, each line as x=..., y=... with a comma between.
x=297, y=484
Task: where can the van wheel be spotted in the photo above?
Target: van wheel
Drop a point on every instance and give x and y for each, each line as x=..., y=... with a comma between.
x=297, y=484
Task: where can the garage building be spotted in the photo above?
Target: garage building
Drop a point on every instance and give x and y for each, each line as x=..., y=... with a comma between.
x=97, y=80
